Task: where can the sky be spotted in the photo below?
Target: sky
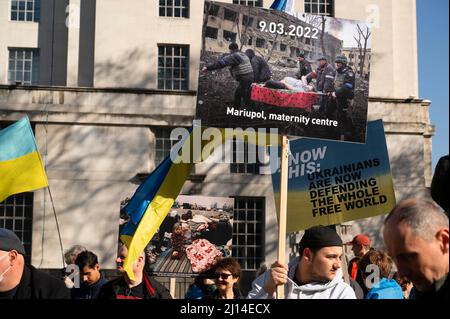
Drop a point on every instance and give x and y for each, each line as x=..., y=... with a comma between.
x=433, y=44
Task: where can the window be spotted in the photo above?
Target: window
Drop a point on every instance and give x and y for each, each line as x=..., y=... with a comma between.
x=293, y=52
x=174, y=8
x=260, y=43
x=324, y=7
x=16, y=214
x=245, y=159
x=229, y=36
x=250, y=41
x=230, y=15
x=248, y=230
x=211, y=32
x=23, y=66
x=163, y=144
x=173, y=67
x=283, y=47
x=25, y=10
x=214, y=10
x=251, y=3
x=247, y=21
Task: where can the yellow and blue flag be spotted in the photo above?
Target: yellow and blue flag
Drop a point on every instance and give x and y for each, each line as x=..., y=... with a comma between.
x=21, y=168
x=154, y=198
x=150, y=205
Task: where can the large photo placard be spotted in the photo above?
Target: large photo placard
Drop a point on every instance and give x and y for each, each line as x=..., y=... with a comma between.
x=306, y=75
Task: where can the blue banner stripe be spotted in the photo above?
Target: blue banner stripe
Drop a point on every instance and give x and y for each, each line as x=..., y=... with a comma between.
x=17, y=140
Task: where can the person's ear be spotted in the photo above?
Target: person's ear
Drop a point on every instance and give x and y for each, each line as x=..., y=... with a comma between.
x=307, y=254
x=13, y=257
x=97, y=267
x=443, y=237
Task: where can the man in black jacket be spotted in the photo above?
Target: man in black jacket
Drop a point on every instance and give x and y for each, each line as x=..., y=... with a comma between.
x=325, y=83
x=416, y=235
x=141, y=287
x=92, y=279
x=304, y=67
x=21, y=281
x=261, y=69
x=241, y=70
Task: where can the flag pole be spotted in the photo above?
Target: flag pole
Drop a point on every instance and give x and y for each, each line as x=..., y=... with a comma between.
x=283, y=208
x=57, y=224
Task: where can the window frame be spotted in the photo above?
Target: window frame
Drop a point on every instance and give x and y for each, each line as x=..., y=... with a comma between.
x=35, y=11
x=328, y=4
x=33, y=70
x=244, y=223
x=174, y=7
x=184, y=82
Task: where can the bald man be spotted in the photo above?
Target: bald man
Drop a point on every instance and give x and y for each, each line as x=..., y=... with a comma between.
x=416, y=234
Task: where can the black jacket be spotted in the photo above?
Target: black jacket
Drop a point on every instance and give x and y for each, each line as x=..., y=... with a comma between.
x=155, y=291
x=261, y=69
x=88, y=292
x=325, y=78
x=304, y=68
x=36, y=284
x=440, y=185
x=443, y=293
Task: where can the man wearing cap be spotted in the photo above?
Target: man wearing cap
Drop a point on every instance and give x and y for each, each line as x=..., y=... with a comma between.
x=316, y=274
x=360, y=246
x=325, y=81
x=21, y=281
x=304, y=67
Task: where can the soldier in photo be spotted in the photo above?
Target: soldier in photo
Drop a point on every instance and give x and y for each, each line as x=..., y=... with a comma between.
x=325, y=83
x=344, y=92
x=241, y=70
x=304, y=67
x=261, y=69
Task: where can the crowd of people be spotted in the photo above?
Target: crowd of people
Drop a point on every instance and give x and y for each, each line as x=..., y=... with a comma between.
x=415, y=265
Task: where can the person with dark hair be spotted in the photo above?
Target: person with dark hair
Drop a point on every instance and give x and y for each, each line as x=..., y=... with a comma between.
x=440, y=184
x=203, y=286
x=325, y=83
x=227, y=273
x=316, y=274
x=261, y=69
x=304, y=67
x=379, y=265
x=344, y=88
x=241, y=70
x=21, y=281
x=416, y=234
x=405, y=284
x=92, y=279
x=142, y=286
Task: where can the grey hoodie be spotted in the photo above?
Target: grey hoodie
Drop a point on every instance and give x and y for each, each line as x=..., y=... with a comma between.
x=335, y=289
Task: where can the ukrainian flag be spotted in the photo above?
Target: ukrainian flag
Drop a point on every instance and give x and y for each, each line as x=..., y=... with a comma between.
x=151, y=203
x=154, y=198
x=21, y=168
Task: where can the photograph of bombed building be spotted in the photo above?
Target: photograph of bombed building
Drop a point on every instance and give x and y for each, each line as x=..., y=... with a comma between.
x=271, y=69
x=196, y=232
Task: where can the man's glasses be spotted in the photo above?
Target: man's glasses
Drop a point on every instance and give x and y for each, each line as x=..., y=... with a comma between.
x=222, y=276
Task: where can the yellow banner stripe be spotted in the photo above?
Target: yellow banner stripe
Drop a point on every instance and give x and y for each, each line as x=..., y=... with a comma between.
x=21, y=174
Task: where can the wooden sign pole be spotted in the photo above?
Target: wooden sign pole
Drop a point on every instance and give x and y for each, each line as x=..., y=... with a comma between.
x=283, y=208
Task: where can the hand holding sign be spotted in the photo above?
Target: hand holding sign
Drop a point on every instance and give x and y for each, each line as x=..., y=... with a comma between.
x=278, y=275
